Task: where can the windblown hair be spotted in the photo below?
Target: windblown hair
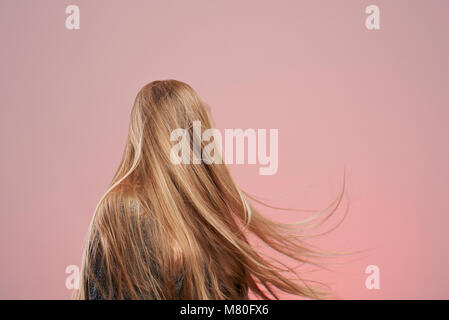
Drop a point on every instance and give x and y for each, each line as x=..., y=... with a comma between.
x=158, y=220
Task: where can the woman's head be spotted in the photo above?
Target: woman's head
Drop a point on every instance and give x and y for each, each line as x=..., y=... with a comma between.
x=161, y=107
x=159, y=219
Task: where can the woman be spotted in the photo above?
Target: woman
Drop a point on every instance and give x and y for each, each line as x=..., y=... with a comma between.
x=171, y=231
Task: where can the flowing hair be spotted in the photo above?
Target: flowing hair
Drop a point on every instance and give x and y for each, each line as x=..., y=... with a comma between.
x=160, y=221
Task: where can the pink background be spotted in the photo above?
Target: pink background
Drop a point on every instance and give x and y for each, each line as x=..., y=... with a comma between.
x=375, y=101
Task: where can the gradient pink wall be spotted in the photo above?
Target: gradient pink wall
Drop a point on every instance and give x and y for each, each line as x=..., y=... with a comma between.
x=375, y=101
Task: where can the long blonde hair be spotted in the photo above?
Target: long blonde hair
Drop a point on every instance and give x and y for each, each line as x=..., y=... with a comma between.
x=159, y=219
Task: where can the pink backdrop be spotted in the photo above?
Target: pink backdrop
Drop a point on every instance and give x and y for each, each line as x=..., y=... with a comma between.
x=375, y=101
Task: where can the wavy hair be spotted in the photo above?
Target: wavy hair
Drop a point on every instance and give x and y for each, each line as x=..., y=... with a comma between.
x=160, y=222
